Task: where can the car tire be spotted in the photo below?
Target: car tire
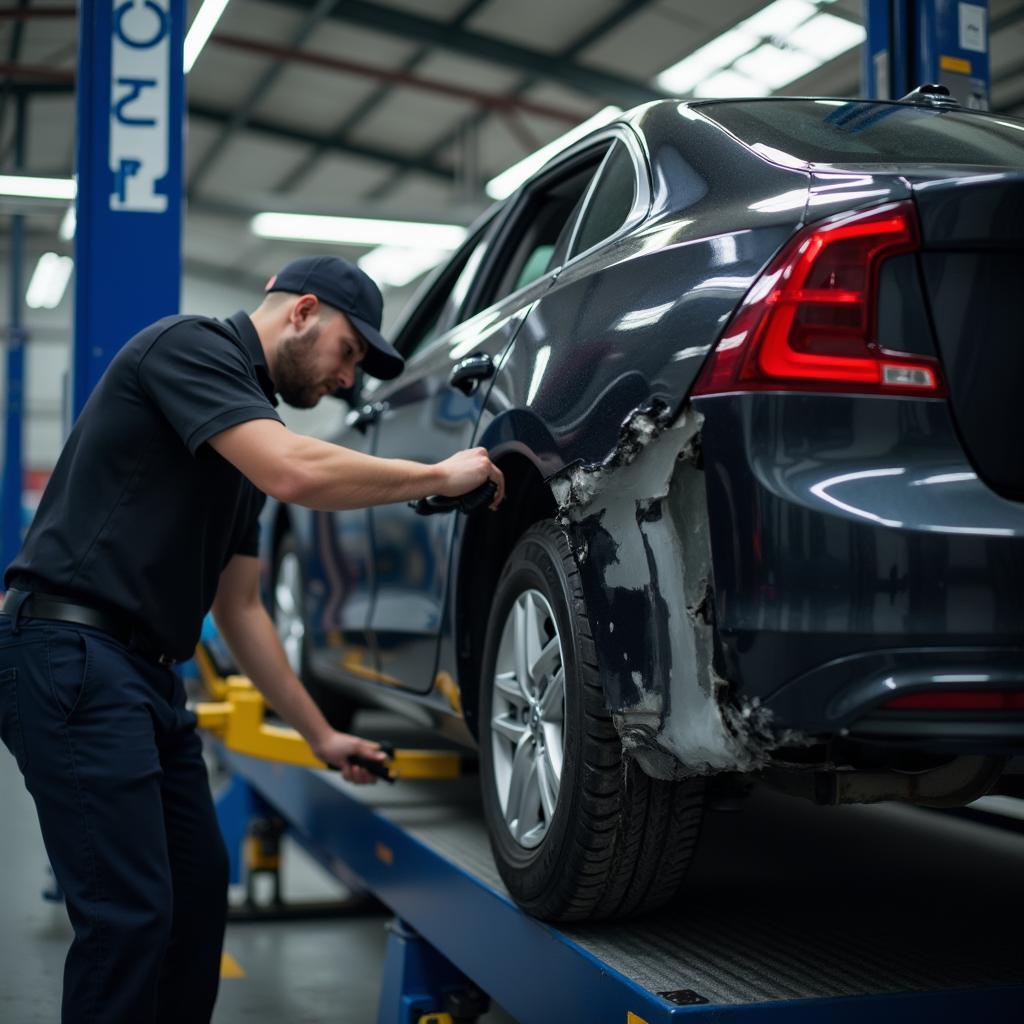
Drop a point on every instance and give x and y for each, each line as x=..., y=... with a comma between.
x=288, y=585
x=615, y=843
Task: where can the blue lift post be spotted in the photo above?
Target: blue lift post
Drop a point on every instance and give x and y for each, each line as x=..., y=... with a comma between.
x=130, y=135
x=10, y=501
x=913, y=42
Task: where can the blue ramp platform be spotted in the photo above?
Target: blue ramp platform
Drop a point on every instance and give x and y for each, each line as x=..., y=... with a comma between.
x=792, y=913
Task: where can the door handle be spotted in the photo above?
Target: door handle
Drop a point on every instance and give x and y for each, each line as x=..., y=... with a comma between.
x=365, y=417
x=467, y=374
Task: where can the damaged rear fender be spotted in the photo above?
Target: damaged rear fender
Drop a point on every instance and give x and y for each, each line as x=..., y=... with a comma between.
x=637, y=525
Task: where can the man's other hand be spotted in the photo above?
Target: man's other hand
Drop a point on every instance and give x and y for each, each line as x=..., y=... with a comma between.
x=339, y=747
x=466, y=470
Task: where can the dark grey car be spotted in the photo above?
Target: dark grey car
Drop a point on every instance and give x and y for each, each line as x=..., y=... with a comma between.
x=751, y=369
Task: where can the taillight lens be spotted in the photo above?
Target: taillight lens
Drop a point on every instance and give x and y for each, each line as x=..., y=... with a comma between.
x=959, y=700
x=809, y=323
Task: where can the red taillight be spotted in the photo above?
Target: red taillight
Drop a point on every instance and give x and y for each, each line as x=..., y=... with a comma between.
x=809, y=323
x=959, y=700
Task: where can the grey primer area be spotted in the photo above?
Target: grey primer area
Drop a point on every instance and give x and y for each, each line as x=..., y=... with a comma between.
x=638, y=528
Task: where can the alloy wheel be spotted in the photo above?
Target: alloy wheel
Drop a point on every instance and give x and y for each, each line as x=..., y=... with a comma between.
x=288, y=609
x=528, y=718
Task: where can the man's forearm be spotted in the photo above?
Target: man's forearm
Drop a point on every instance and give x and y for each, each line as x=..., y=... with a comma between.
x=305, y=471
x=252, y=639
x=335, y=478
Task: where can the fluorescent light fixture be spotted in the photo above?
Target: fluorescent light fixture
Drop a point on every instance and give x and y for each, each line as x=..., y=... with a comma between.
x=692, y=70
x=202, y=26
x=304, y=227
x=778, y=18
x=825, y=36
x=731, y=83
x=49, y=280
x=37, y=188
x=68, y=224
x=395, y=267
x=775, y=67
x=509, y=180
x=781, y=43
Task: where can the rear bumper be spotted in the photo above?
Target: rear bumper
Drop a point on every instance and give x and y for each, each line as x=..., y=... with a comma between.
x=857, y=557
x=847, y=697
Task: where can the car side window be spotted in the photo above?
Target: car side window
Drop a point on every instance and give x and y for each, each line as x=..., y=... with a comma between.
x=437, y=310
x=536, y=239
x=610, y=201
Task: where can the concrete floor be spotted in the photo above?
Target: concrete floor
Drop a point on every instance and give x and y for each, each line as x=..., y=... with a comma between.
x=313, y=972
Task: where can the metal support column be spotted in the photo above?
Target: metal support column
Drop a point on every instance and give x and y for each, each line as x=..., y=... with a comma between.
x=10, y=500
x=913, y=42
x=420, y=986
x=129, y=161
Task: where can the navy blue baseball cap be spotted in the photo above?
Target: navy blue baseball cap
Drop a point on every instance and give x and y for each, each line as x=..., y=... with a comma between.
x=344, y=286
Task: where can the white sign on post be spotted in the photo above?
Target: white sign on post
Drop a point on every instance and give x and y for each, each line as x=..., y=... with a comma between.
x=972, y=27
x=140, y=69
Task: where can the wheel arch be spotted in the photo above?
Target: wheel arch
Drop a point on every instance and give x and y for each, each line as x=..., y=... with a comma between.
x=485, y=544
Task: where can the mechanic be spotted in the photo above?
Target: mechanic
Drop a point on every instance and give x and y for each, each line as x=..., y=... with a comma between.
x=148, y=522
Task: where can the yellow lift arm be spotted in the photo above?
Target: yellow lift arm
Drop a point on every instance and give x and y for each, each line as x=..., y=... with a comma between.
x=237, y=717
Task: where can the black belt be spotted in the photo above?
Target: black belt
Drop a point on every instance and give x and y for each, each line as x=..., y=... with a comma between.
x=42, y=606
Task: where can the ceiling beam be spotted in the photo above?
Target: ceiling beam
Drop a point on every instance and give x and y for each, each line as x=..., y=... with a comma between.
x=41, y=12
x=589, y=81
x=369, y=105
x=285, y=132
x=595, y=32
x=450, y=90
x=320, y=10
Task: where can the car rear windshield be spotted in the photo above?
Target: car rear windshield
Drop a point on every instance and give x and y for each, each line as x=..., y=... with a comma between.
x=858, y=132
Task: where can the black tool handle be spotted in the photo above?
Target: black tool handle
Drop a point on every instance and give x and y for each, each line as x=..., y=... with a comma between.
x=477, y=498
x=377, y=768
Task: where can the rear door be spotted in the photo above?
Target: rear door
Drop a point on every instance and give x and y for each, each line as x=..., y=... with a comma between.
x=427, y=418
x=339, y=574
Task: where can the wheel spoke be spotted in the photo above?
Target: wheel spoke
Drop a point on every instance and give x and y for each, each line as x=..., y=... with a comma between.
x=548, y=786
x=552, y=701
x=553, y=752
x=288, y=609
x=547, y=660
x=528, y=814
x=508, y=686
x=522, y=766
x=532, y=644
x=519, y=640
x=291, y=650
x=509, y=727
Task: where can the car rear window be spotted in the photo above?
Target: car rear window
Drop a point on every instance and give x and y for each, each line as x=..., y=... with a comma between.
x=859, y=132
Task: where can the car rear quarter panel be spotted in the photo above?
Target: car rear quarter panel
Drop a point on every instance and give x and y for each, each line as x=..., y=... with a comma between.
x=626, y=329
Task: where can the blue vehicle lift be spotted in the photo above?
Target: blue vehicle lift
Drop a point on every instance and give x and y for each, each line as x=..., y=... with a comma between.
x=913, y=42
x=421, y=849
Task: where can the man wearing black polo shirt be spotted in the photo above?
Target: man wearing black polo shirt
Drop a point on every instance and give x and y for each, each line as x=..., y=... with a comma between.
x=150, y=521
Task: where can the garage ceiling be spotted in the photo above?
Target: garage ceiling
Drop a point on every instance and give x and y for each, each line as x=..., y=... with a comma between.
x=391, y=108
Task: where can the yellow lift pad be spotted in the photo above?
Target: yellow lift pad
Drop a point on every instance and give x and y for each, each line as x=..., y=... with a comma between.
x=237, y=717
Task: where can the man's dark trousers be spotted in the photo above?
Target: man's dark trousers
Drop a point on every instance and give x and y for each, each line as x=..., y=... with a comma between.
x=111, y=757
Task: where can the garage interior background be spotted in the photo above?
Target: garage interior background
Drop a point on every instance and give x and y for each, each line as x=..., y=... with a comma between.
x=399, y=109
